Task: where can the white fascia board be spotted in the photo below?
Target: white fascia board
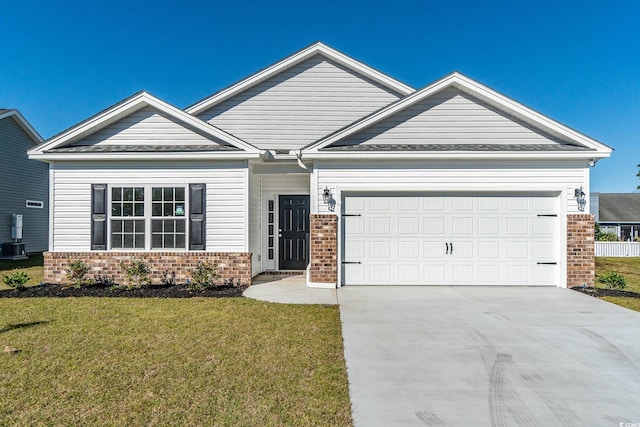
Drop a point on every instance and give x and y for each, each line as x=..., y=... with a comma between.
x=191, y=155
x=476, y=89
x=24, y=124
x=292, y=60
x=459, y=155
x=128, y=106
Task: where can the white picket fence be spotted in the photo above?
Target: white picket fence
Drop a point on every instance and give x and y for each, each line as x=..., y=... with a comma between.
x=618, y=249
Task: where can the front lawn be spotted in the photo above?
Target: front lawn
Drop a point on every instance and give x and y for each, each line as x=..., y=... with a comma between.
x=199, y=361
x=629, y=267
x=32, y=266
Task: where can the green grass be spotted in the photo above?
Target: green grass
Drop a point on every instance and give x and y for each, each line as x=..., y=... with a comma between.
x=629, y=267
x=116, y=361
x=32, y=266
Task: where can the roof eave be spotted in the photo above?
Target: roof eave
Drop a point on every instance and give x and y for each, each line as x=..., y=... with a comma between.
x=192, y=155
x=466, y=155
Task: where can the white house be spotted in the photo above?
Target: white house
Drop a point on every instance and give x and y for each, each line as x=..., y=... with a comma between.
x=320, y=162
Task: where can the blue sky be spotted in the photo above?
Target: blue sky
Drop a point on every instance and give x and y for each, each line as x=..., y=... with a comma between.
x=577, y=62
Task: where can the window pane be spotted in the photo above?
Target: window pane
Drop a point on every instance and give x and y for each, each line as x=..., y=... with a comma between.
x=156, y=241
x=116, y=209
x=168, y=194
x=179, y=210
x=139, y=209
x=156, y=209
x=116, y=240
x=156, y=226
x=168, y=209
x=128, y=226
x=179, y=194
x=168, y=226
x=128, y=241
x=156, y=194
x=169, y=241
x=116, y=194
x=139, y=226
x=180, y=241
x=127, y=194
x=180, y=226
x=116, y=226
x=127, y=209
x=139, y=194
x=139, y=238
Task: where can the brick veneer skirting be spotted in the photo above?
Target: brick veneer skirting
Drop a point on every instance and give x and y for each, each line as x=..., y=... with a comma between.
x=324, y=248
x=230, y=264
x=580, y=250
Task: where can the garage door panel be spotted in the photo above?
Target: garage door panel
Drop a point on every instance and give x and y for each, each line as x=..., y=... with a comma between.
x=447, y=240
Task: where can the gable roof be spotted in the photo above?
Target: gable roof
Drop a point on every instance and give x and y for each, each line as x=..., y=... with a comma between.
x=581, y=142
x=619, y=207
x=22, y=122
x=58, y=146
x=288, y=62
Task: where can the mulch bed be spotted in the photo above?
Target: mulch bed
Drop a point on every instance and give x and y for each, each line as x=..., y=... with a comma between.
x=598, y=292
x=152, y=291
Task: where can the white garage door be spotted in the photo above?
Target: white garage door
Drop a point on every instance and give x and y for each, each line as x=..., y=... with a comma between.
x=445, y=240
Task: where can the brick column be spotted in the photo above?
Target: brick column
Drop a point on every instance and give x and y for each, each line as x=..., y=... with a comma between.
x=324, y=248
x=581, y=263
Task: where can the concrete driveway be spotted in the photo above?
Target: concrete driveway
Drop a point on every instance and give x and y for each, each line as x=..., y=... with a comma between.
x=489, y=356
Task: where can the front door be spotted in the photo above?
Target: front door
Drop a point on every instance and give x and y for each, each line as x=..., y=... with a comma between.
x=293, y=232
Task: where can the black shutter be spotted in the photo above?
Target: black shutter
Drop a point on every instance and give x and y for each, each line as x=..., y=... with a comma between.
x=197, y=209
x=98, y=217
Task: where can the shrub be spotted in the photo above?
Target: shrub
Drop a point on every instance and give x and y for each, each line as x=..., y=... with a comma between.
x=203, y=276
x=168, y=278
x=104, y=281
x=76, y=271
x=601, y=236
x=137, y=272
x=612, y=280
x=16, y=280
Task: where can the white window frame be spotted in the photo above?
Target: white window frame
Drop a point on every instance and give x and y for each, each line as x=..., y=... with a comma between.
x=147, y=218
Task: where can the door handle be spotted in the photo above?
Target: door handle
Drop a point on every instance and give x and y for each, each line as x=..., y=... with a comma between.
x=451, y=248
x=446, y=245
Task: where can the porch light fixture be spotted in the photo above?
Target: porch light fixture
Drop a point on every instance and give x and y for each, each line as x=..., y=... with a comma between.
x=580, y=198
x=326, y=195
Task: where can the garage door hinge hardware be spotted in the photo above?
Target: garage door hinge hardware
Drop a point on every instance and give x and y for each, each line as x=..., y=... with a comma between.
x=351, y=262
x=548, y=215
x=351, y=215
x=547, y=263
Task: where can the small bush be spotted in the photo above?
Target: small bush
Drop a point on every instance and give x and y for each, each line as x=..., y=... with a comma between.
x=76, y=273
x=168, y=278
x=137, y=272
x=203, y=276
x=612, y=280
x=16, y=280
x=104, y=281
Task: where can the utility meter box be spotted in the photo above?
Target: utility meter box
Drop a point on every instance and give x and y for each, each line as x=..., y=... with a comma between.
x=16, y=227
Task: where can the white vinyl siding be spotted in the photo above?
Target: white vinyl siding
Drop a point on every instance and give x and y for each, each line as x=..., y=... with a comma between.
x=255, y=231
x=450, y=117
x=562, y=176
x=299, y=106
x=225, y=197
x=147, y=126
x=22, y=179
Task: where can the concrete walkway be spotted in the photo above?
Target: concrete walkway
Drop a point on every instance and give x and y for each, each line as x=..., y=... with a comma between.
x=288, y=290
x=489, y=356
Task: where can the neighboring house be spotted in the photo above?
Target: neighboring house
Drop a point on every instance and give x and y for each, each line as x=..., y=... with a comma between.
x=618, y=213
x=24, y=183
x=321, y=162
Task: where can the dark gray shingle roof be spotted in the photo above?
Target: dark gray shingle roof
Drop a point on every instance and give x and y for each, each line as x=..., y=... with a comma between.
x=619, y=207
x=141, y=148
x=457, y=147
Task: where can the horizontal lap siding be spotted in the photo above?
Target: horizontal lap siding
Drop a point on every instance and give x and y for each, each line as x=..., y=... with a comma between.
x=450, y=116
x=442, y=176
x=225, y=198
x=22, y=179
x=146, y=126
x=299, y=105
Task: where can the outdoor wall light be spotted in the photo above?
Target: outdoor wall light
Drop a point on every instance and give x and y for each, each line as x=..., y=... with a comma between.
x=326, y=195
x=580, y=198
